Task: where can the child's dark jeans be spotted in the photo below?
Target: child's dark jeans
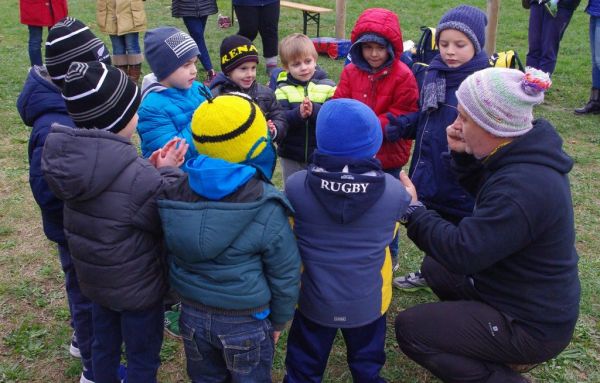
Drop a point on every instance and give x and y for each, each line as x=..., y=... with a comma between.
x=223, y=348
x=142, y=333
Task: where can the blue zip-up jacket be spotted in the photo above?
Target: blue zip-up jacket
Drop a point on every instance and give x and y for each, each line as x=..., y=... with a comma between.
x=519, y=244
x=166, y=113
x=345, y=220
x=236, y=255
x=40, y=104
x=430, y=169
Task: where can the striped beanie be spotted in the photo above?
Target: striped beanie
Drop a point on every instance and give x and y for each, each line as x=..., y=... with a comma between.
x=71, y=40
x=501, y=100
x=467, y=19
x=99, y=96
x=166, y=49
x=233, y=128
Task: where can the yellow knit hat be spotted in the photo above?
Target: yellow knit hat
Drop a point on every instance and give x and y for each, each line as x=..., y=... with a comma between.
x=230, y=127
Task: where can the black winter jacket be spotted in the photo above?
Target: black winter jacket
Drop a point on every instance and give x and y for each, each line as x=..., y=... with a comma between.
x=519, y=245
x=111, y=219
x=193, y=8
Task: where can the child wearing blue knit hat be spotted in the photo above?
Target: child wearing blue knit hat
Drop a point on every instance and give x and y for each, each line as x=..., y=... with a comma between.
x=460, y=36
x=347, y=213
x=170, y=94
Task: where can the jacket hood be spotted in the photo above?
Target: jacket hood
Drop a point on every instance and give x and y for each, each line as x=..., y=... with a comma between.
x=345, y=187
x=204, y=222
x=39, y=96
x=214, y=178
x=71, y=158
x=542, y=145
x=382, y=22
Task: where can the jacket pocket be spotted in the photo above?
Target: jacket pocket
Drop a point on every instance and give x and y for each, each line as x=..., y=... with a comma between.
x=138, y=13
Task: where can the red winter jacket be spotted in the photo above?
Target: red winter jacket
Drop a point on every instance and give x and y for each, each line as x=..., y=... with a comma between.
x=391, y=89
x=42, y=13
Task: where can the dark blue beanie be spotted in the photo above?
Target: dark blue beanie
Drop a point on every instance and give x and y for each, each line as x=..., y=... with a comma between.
x=168, y=48
x=348, y=128
x=467, y=19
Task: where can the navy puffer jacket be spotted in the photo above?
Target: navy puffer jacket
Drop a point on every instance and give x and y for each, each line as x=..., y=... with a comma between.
x=193, y=8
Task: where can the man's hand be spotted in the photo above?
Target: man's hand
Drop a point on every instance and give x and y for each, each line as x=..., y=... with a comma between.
x=410, y=187
x=454, y=135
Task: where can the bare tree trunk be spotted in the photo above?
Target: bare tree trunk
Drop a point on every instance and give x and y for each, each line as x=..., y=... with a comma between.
x=340, y=19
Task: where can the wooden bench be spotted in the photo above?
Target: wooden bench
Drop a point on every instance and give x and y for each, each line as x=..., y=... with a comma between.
x=309, y=12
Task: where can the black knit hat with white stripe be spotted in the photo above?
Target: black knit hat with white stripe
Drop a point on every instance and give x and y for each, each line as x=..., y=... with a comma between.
x=71, y=40
x=99, y=96
x=168, y=48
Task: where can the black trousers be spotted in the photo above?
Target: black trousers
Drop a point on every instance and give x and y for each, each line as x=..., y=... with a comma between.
x=263, y=20
x=462, y=339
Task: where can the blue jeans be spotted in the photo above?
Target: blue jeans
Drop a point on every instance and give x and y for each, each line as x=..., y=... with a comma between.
x=595, y=48
x=80, y=308
x=35, y=45
x=545, y=33
x=196, y=25
x=125, y=44
x=223, y=348
x=309, y=345
x=142, y=333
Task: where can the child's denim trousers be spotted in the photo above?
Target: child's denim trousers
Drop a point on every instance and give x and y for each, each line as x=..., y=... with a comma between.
x=223, y=348
x=142, y=333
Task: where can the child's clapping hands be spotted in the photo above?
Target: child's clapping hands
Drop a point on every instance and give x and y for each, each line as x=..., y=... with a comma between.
x=172, y=154
x=306, y=108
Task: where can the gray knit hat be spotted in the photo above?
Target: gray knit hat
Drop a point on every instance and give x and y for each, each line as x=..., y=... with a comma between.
x=168, y=48
x=467, y=19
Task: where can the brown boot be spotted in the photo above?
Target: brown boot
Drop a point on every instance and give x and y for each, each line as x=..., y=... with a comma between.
x=134, y=72
x=593, y=105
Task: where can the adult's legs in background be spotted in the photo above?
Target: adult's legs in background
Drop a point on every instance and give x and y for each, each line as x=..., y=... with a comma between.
x=248, y=20
x=119, y=52
x=593, y=104
x=35, y=45
x=268, y=27
x=196, y=26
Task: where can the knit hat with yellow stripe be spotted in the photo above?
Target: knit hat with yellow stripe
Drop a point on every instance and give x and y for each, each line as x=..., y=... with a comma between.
x=231, y=127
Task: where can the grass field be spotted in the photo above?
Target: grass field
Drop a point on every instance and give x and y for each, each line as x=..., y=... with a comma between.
x=34, y=320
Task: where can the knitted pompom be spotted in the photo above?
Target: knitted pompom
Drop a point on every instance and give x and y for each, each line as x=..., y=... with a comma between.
x=535, y=81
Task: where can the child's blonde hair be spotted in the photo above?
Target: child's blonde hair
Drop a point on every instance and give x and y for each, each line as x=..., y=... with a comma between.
x=296, y=46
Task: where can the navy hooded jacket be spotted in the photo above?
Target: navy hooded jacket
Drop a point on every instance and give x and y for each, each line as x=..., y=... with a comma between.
x=345, y=220
x=519, y=244
x=40, y=104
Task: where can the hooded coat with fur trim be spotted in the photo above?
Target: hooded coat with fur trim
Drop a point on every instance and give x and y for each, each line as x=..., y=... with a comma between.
x=391, y=89
x=110, y=217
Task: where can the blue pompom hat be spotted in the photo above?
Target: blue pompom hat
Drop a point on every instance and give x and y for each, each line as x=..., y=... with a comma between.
x=467, y=19
x=348, y=128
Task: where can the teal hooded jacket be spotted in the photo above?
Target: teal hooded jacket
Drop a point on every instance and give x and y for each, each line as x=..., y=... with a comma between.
x=237, y=254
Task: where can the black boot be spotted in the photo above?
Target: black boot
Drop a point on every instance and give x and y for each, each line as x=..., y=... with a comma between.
x=593, y=105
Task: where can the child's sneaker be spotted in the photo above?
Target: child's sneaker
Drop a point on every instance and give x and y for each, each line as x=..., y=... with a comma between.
x=411, y=282
x=84, y=378
x=172, y=321
x=74, y=347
